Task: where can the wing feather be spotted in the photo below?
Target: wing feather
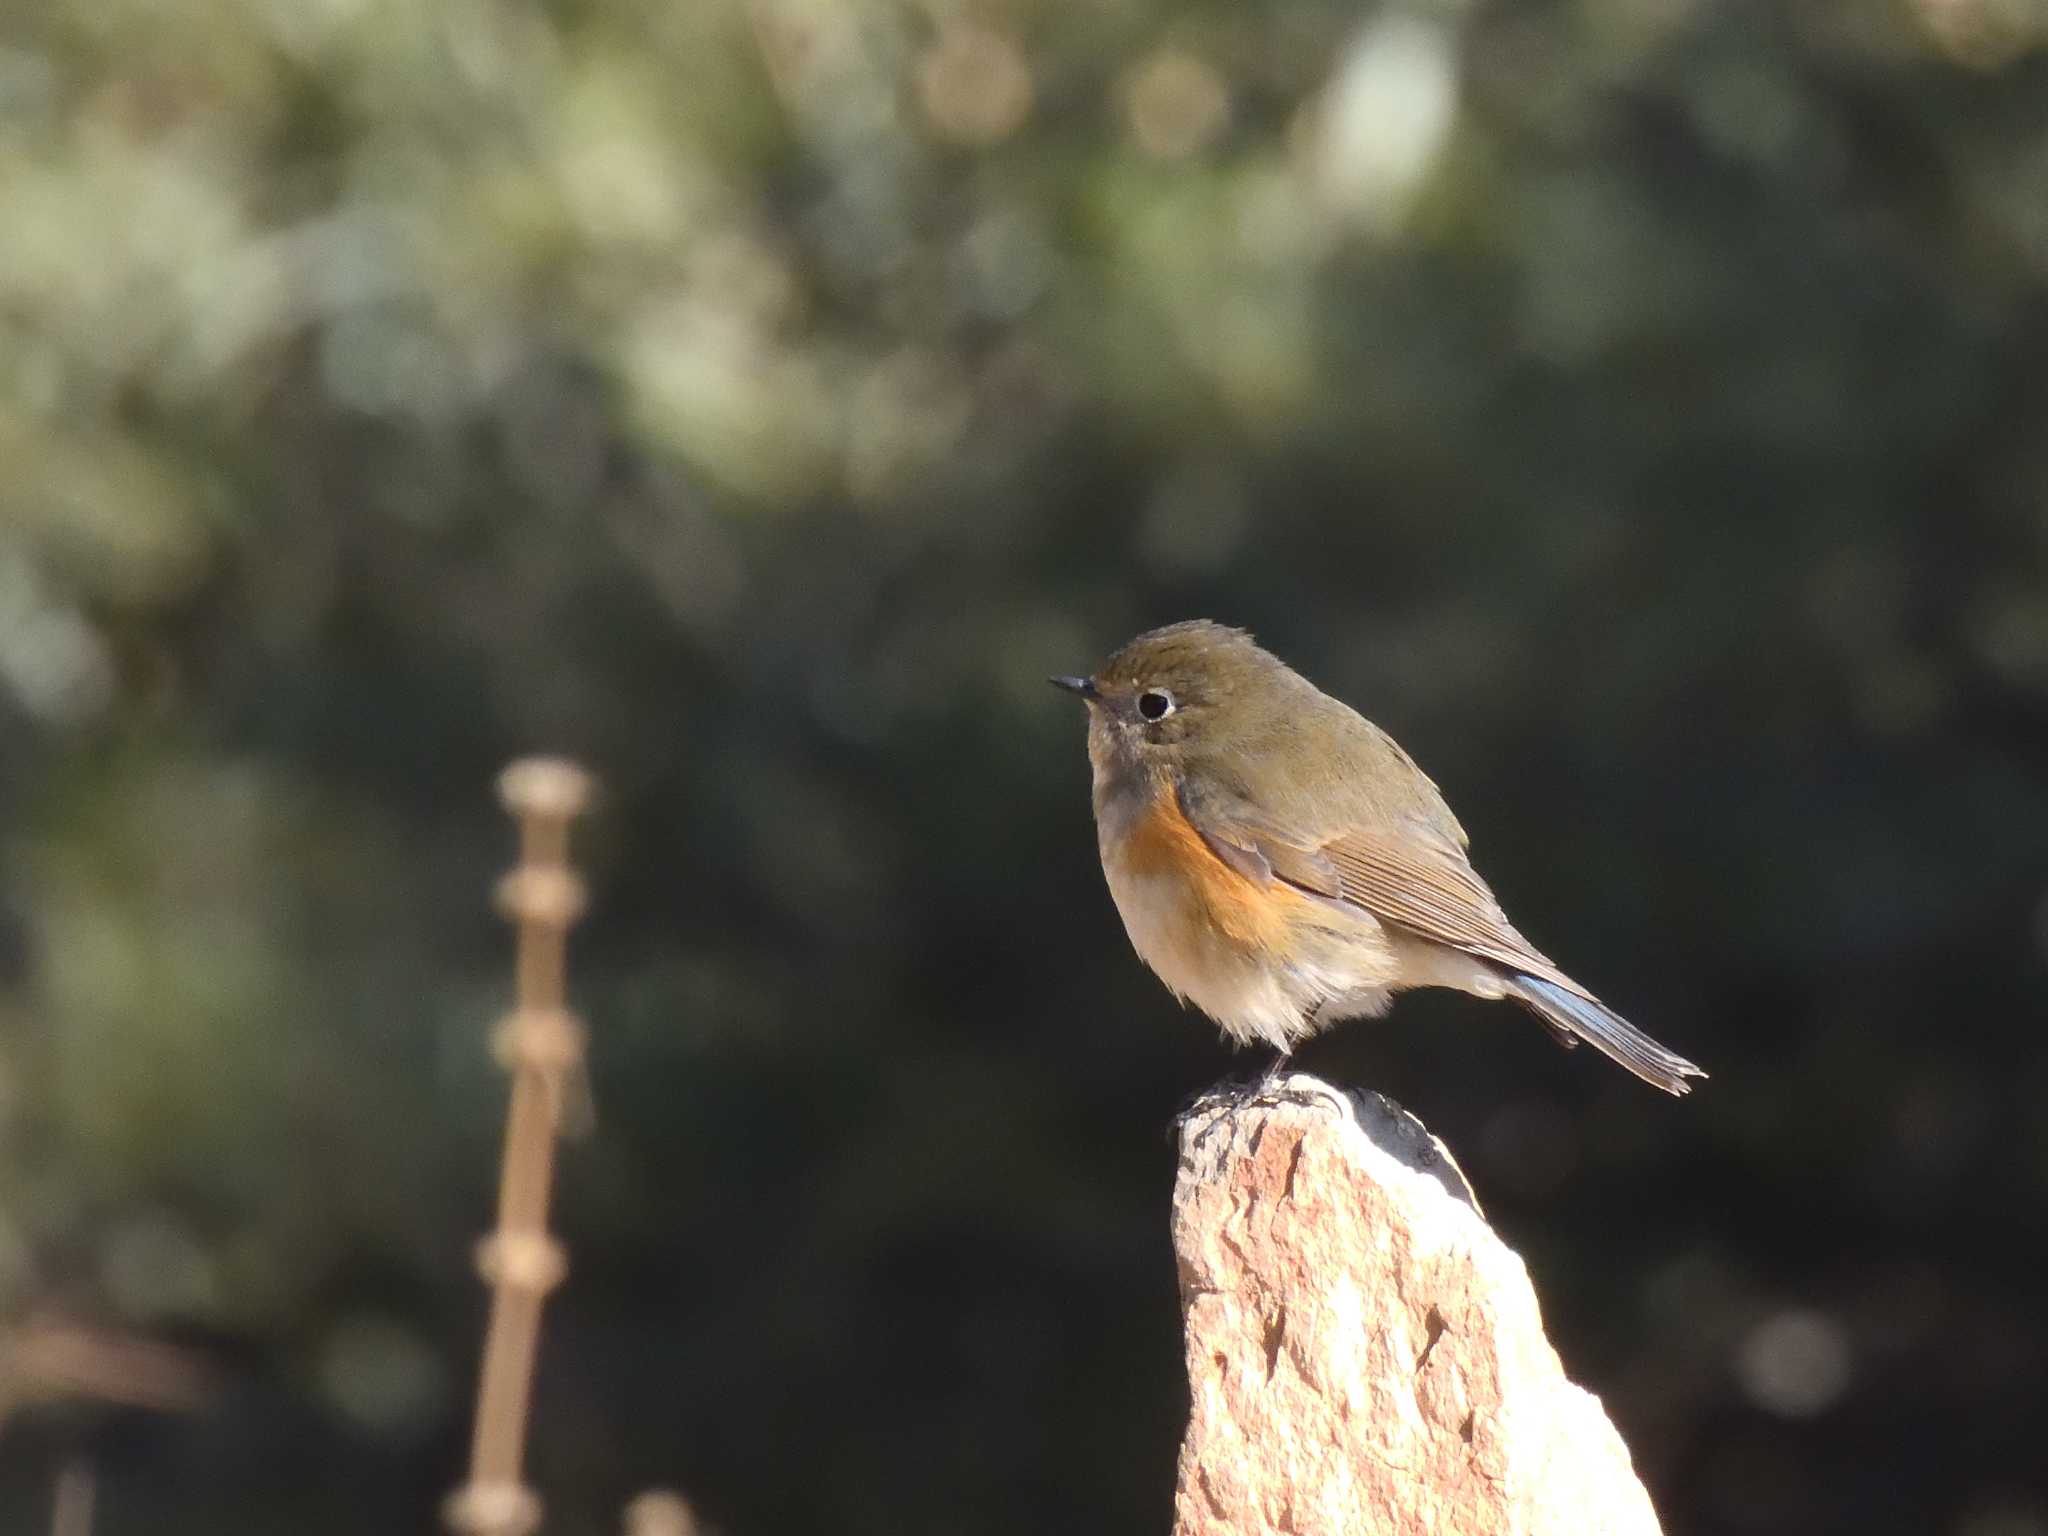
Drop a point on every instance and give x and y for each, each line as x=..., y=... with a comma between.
x=1403, y=871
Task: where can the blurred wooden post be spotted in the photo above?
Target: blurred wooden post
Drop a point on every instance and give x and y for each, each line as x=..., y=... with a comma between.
x=71, y=1503
x=661, y=1512
x=540, y=1043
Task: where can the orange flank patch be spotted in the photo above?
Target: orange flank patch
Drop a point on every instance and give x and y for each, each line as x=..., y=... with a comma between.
x=1165, y=844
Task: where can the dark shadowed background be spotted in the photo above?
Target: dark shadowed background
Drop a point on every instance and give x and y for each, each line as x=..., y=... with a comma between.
x=1640, y=407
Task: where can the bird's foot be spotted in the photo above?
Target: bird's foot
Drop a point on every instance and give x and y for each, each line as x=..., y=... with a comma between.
x=1214, y=1106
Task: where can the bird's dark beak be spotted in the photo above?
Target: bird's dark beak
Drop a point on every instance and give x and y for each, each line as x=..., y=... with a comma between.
x=1084, y=686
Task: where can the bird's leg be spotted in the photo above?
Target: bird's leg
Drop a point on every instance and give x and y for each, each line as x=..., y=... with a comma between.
x=1230, y=1098
x=1268, y=1090
x=1220, y=1104
x=1263, y=1089
x=1283, y=1053
x=1274, y=1068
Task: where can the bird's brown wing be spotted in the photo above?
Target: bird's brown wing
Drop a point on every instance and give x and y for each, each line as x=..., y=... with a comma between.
x=1403, y=871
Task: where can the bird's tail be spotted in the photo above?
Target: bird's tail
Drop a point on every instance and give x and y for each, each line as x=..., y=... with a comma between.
x=1605, y=1030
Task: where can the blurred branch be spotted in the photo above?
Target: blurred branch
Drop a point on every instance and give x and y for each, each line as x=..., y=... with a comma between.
x=541, y=1044
x=52, y=1357
x=73, y=1499
x=662, y=1512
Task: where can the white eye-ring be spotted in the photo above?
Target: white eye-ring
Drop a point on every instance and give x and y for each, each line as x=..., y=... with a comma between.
x=1155, y=704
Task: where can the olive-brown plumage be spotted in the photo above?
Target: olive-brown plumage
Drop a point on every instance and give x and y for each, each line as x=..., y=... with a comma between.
x=1281, y=863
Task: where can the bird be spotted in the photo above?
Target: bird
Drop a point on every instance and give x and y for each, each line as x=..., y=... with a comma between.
x=1282, y=864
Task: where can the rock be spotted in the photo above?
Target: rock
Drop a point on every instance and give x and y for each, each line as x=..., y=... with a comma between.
x=1364, y=1355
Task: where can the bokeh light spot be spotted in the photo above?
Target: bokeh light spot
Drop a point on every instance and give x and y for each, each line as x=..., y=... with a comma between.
x=1794, y=1363
x=974, y=85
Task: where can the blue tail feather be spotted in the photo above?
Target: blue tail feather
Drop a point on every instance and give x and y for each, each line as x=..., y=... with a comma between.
x=1605, y=1030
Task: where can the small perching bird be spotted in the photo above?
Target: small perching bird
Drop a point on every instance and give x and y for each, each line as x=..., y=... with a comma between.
x=1282, y=864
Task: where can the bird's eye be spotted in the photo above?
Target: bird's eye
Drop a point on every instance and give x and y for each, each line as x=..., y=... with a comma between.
x=1155, y=704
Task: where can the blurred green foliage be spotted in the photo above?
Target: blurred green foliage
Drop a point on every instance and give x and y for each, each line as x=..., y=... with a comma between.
x=1639, y=406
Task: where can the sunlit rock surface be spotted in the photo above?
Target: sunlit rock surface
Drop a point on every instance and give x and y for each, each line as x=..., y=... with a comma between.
x=1363, y=1354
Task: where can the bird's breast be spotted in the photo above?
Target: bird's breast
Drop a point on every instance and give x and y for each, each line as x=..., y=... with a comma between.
x=1215, y=937
x=1259, y=957
x=1174, y=879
